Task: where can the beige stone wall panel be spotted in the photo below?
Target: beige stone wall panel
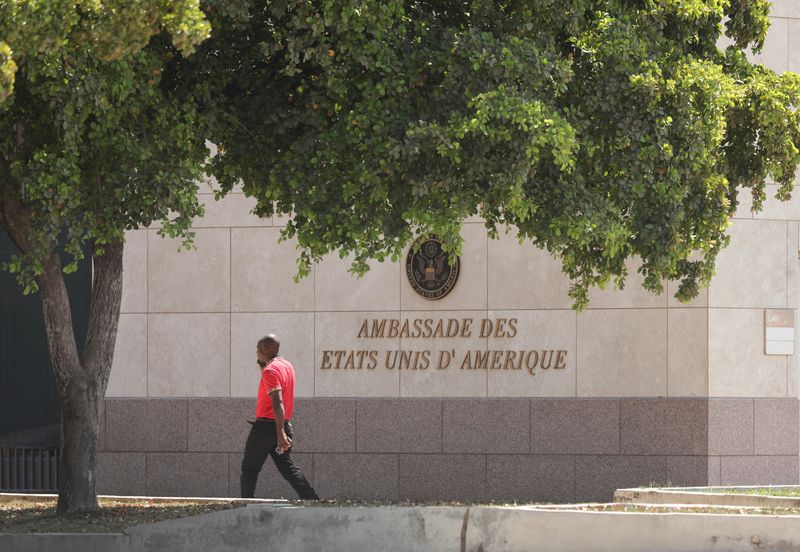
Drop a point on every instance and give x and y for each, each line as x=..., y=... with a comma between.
x=622, y=353
x=543, y=330
x=687, y=354
x=775, y=54
x=794, y=39
x=296, y=332
x=262, y=273
x=129, y=371
x=189, y=281
x=785, y=8
x=454, y=378
x=134, y=272
x=632, y=296
x=751, y=271
x=336, y=289
x=188, y=355
x=522, y=276
x=338, y=331
x=775, y=209
x=737, y=365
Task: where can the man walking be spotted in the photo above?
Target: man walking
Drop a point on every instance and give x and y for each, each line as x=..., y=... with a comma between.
x=271, y=433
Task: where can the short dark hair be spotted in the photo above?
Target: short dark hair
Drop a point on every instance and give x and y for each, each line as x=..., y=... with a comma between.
x=268, y=342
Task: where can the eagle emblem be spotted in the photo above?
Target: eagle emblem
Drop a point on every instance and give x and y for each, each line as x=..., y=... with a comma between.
x=429, y=269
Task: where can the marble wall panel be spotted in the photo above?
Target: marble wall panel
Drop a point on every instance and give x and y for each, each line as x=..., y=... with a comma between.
x=337, y=373
x=794, y=39
x=470, y=291
x=262, y=273
x=730, y=427
x=751, y=271
x=188, y=355
x=188, y=474
x=775, y=54
x=622, y=353
x=129, y=371
x=633, y=295
x=134, y=272
x=687, y=354
x=776, y=425
x=452, y=368
x=336, y=289
x=522, y=276
x=758, y=470
x=442, y=477
x=744, y=209
x=597, y=477
x=296, y=333
x=121, y=473
x=737, y=365
x=233, y=210
x=775, y=209
x=784, y=8
x=189, y=281
x=356, y=476
x=687, y=471
x=528, y=478
x=543, y=330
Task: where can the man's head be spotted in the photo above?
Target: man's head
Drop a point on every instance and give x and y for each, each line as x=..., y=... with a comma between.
x=267, y=349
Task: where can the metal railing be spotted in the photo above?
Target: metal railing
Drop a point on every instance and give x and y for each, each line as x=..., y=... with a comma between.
x=28, y=470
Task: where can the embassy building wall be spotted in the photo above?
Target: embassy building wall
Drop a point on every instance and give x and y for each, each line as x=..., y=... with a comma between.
x=497, y=391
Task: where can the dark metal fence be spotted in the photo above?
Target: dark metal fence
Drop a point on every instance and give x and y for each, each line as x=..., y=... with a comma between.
x=28, y=470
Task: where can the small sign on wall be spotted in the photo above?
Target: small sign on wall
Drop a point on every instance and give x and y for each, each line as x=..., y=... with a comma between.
x=779, y=331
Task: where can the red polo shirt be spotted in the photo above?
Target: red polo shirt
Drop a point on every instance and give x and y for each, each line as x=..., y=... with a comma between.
x=278, y=374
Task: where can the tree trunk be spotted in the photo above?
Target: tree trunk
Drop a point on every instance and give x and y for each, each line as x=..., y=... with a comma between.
x=81, y=382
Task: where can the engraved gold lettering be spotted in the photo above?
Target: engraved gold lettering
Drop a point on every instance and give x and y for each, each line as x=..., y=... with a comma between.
x=326, y=360
x=561, y=360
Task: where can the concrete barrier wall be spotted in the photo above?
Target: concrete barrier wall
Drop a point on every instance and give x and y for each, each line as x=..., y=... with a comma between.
x=435, y=529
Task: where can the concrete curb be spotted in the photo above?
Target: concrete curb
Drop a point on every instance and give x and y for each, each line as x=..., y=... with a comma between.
x=434, y=529
x=690, y=495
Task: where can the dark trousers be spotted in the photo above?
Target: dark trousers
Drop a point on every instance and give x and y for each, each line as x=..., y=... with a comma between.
x=261, y=443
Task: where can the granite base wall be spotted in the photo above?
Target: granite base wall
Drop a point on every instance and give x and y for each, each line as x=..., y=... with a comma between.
x=527, y=449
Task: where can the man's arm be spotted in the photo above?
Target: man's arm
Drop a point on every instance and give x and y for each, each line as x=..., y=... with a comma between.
x=277, y=407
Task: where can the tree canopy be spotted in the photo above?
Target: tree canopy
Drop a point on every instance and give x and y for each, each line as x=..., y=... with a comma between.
x=89, y=144
x=600, y=130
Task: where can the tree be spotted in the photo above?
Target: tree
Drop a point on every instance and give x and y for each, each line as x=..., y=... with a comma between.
x=90, y=146
x=600, y=130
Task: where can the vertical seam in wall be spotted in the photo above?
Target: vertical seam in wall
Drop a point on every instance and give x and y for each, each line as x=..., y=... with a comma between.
x=314, y=329
x=398, y=476
x=147, y=314
x=576, y=352
x=708, y=341
x=441, y=427
x=619, y=439
x=753, y=428
x=146, y=475
x=530, y=425
x=788, y=256
x=230, y=319
x=574, y=477
x=228, y=456
x=486, y=381
x=187, y=424
x=667, y=394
